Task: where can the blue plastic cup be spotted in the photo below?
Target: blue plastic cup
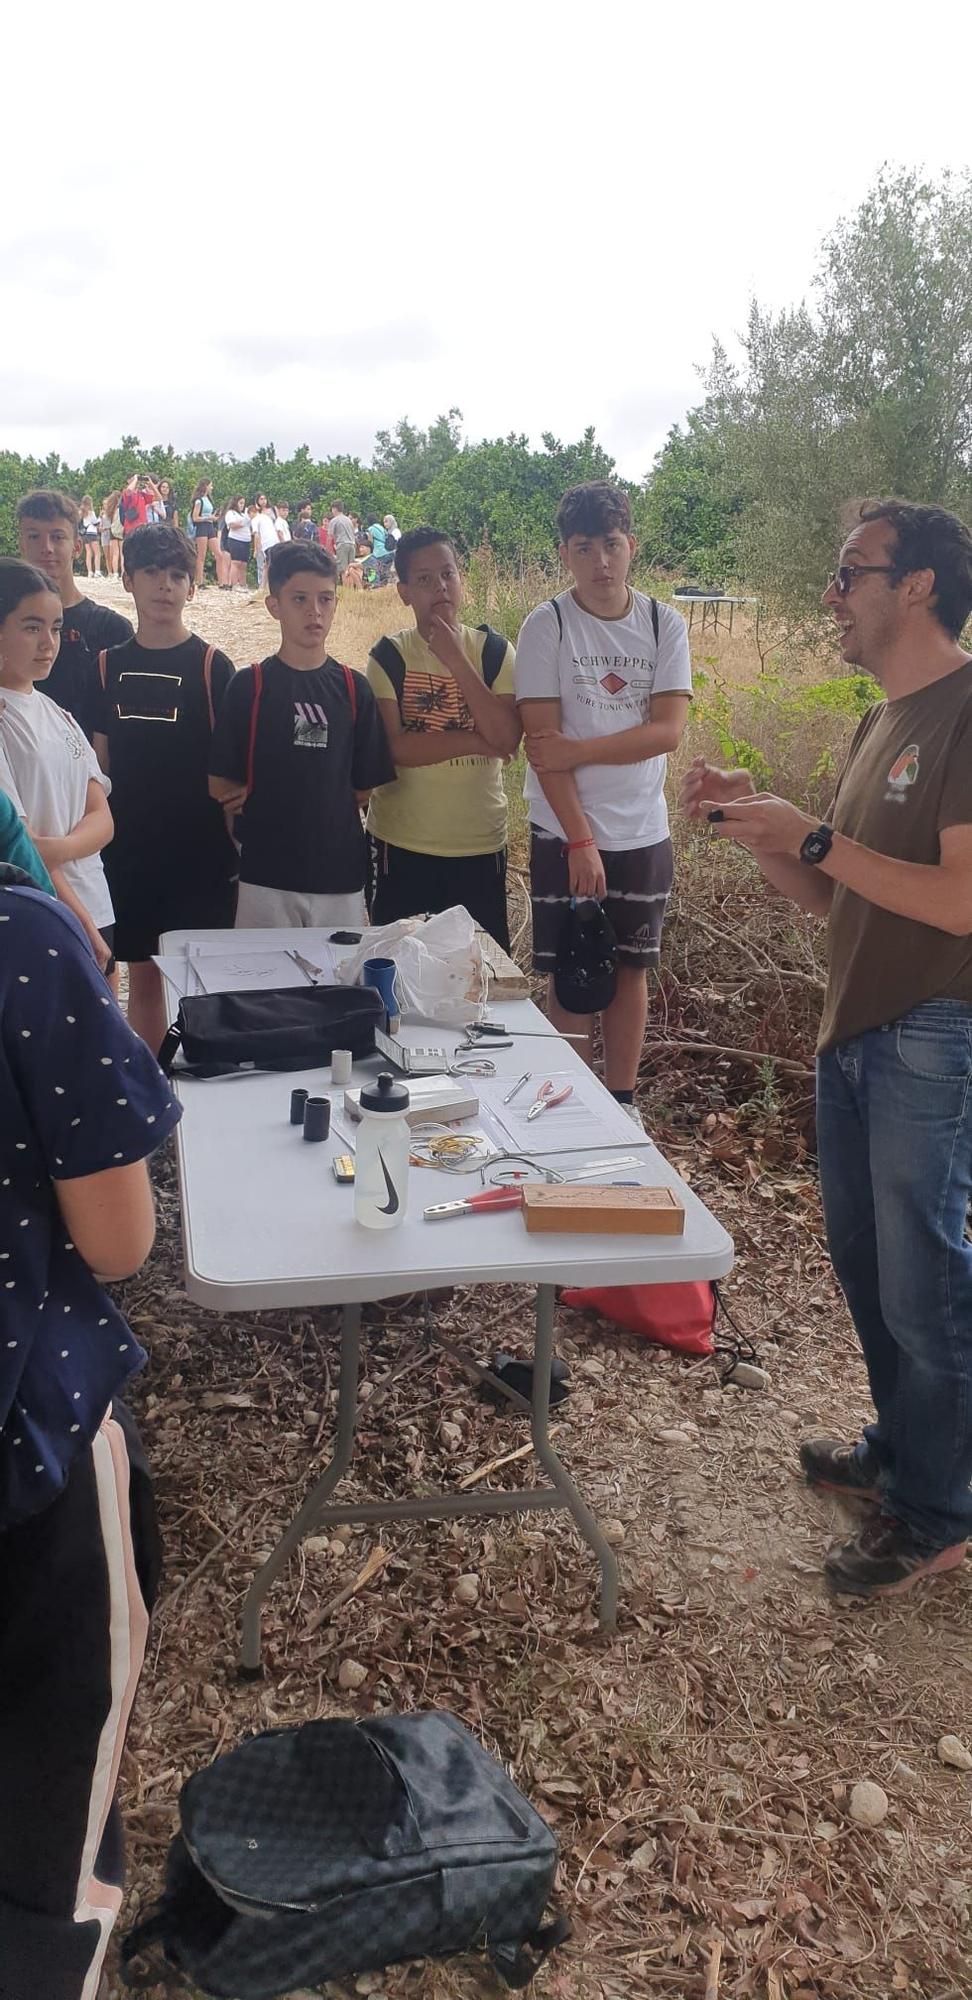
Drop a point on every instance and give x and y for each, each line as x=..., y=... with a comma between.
x=380, y=973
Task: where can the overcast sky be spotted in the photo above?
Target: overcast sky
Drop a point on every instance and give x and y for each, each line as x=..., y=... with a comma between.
x=231, y=224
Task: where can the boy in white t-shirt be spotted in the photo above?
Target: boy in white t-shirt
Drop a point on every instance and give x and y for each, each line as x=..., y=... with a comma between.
x=604, y=680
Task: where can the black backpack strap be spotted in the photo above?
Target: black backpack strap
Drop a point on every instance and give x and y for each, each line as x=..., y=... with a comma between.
x=391, y=663
x=654, y=617
x=494, y=653
x=558, y=614
x=518, y=1963
x=139, y=1944
x=170, y=1048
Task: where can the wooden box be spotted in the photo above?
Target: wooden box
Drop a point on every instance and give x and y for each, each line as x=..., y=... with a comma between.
x=603, y=1211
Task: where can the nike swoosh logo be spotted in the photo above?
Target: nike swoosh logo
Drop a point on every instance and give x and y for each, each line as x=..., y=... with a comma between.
x=393, y=1204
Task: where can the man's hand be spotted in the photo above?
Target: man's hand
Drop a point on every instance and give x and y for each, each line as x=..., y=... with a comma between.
x=585, y=872
x=704, y=781
x=231, y=795
x=550, y=751
x=763, y=824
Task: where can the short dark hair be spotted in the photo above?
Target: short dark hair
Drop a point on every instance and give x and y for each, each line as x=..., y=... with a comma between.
x=290, y=558
x=930, y=538
x=158, y=548
x=47, y=504
x=414, y=542
x=595, y=508
x=19, y=580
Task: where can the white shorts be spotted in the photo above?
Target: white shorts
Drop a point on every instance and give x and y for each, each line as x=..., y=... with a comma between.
x=260, y=909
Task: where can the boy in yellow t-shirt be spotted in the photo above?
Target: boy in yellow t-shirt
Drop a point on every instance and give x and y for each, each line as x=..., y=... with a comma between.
x=445, y=691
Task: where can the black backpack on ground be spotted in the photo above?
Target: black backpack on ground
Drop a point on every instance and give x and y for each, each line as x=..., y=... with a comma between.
x=337, y=1848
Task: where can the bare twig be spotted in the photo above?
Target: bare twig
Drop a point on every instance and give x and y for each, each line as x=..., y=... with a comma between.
x=712, y=1971
x=375, y=1563
x=737, y=1055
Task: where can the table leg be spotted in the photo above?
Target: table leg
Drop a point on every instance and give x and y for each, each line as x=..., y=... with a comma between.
x=583, y=1518
x=347, y=1410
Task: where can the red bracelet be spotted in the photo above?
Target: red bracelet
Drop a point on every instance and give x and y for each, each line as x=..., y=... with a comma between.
x=573, y=845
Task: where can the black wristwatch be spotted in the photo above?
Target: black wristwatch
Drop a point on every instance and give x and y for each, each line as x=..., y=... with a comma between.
x=817, y=845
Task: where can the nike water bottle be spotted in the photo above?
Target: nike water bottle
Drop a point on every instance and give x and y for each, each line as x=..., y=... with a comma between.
x=381, y=1155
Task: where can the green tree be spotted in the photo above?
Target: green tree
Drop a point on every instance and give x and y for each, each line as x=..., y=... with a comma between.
x=414, y=458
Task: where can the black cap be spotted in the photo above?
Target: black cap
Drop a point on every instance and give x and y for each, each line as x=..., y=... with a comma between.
x=385, y=1095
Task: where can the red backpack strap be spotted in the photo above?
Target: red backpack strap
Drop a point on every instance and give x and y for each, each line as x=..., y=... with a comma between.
x=208, y=679
x=103, y=668
x=254, y=712
x=352, y=693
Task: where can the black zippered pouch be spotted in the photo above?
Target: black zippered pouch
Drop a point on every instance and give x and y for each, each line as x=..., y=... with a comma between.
x=279, y=1028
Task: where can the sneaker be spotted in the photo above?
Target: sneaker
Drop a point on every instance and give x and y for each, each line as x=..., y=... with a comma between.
x=840, y=1468
x=886, y=1558
x=635, y=1116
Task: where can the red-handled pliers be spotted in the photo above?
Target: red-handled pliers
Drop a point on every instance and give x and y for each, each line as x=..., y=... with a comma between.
x=492, y=1198
x=547, y=1096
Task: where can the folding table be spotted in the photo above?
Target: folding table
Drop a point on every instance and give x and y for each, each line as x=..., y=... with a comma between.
x=265, y=1225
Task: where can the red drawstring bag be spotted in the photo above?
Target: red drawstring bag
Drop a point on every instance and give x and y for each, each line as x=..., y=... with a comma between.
x=679, y=1316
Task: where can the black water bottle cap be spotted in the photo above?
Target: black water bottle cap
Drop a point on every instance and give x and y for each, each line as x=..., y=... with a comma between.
x=388, y=1094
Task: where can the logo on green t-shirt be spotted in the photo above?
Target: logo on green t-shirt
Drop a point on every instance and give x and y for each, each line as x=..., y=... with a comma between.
x=903, y=773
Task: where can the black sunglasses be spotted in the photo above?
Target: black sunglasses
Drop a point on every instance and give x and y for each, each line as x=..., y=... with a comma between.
x=843, y=579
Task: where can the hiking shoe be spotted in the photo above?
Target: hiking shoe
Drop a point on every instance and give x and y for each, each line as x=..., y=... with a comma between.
x=841, y=1468
x=886, y=1558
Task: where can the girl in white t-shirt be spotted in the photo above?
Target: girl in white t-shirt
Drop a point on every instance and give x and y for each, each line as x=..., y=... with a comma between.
x=47, y=766
x=90, y=530
x=239, y=530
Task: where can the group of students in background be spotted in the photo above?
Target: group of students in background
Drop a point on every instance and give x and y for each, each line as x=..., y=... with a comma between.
x=241, y=796
x=238, y=531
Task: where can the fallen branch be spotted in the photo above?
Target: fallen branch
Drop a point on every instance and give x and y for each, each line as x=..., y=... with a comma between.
x=376, y=1561
x=712, y=1971
x=736, y=1055
x=493, y=1465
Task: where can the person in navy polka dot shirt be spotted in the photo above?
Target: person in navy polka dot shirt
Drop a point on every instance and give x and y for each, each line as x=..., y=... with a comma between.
x=82, y=1106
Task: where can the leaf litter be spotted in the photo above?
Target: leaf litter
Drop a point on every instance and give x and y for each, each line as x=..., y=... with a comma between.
x=698, y=1765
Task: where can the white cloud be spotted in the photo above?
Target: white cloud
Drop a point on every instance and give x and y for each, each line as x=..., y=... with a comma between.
x=226, y=229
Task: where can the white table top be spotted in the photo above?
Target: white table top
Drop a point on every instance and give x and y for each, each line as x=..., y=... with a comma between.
x=265, y=1223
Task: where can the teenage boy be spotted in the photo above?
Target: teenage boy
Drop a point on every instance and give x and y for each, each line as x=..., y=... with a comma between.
x=47, y=527
x=891, y=870
x=445, y=691
x=297, y=748
x=82, y=1106
x=172, y=863
x=604, y=680
x=306, y=529
x=283, y=522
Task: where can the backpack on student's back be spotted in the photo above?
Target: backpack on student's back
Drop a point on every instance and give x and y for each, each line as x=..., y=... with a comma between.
x=558, y=614
x=392, y=663
x=257, y=671
x=335, y=1848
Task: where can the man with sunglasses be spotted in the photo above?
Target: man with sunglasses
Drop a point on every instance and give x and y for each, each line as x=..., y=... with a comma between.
x=891, y=870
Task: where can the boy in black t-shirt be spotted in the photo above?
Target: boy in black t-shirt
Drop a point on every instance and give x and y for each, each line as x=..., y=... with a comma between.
x=47, y=525
x=172, y=863
x=298, y=746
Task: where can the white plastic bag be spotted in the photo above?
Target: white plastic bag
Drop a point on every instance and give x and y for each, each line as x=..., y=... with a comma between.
x=439, y=969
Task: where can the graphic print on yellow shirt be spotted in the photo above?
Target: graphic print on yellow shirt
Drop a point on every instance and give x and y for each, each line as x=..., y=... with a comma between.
x=458, y=807
x=433, y=701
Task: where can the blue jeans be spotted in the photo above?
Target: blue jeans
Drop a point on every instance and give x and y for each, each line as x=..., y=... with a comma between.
x=894, y=1139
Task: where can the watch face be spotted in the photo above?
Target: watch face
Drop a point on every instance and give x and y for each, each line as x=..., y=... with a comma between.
x=816, y=845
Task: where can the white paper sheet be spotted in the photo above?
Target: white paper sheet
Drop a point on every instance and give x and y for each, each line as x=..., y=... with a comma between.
x=586, y=1118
